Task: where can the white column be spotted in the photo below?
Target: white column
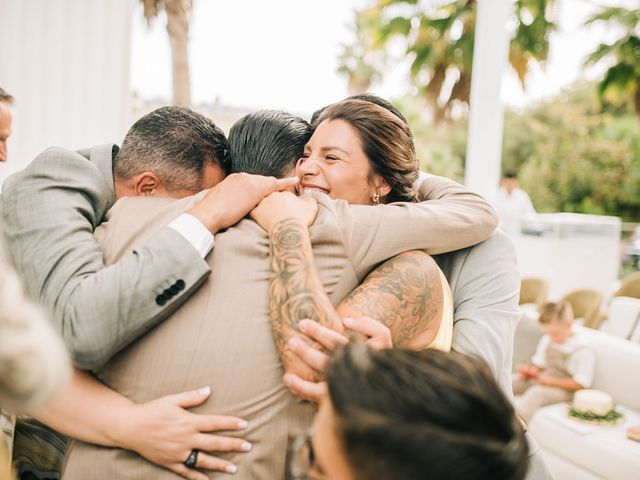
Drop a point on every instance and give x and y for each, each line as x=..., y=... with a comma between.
x=490, y=56
x=66, y=62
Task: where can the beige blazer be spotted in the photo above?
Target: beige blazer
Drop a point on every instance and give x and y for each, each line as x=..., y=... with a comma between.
x=222, y=335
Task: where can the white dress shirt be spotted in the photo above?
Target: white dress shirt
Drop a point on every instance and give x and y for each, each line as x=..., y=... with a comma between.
x=194, y=232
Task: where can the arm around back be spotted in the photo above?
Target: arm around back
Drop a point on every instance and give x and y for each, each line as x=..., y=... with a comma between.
x=448, y=218
x=49, y=213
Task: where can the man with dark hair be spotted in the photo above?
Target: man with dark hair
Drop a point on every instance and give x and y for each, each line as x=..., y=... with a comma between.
x=6, y=117
x=267, y=141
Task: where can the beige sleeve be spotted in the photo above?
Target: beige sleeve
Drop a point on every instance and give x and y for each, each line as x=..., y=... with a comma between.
x=449, y=218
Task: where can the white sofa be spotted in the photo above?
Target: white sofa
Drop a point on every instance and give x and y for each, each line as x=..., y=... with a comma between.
x=574, y=450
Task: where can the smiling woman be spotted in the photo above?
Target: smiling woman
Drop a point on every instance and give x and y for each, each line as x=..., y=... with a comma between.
x=361, y=153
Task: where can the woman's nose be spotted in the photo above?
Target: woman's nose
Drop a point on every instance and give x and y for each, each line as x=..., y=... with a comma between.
x=306, y=166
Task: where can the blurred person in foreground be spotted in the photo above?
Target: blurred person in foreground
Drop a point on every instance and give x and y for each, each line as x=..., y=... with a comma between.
x=512, y=204
x=562, y=363
x=402, y=414
x=33, y=361
x=6, y=118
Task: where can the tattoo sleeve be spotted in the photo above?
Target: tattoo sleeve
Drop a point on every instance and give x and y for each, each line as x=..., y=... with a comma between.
x=406, y=294
x=295, y=290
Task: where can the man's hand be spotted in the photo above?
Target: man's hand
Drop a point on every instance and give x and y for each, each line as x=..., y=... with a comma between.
x=233, y=198
x=164, y=432
x=281, y=206
x=374, y=333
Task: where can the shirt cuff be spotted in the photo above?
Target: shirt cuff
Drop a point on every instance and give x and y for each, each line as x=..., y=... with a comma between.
x=194, y=232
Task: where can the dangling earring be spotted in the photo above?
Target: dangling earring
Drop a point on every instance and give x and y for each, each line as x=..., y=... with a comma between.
x=375, y=198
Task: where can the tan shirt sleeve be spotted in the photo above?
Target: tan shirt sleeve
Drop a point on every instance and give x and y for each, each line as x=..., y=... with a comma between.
x=449, y=218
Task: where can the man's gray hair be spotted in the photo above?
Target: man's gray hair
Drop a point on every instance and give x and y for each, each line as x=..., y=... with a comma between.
x=174, y=143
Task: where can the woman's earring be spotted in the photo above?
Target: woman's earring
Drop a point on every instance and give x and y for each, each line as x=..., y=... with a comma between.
x=375, y=198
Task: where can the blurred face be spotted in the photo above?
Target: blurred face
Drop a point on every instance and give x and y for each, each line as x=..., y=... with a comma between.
x=334, y=163
x=510, y=184
x=558, y=331
x=5, y=129
x=330, y=458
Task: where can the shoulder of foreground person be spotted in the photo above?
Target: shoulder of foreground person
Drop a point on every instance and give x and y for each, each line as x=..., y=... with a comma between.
x=33, y=360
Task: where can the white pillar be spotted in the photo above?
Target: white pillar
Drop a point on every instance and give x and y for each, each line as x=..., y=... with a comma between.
x=66, y=62
x=490, y=56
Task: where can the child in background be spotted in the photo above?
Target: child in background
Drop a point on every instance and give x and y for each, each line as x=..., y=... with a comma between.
x=563, y=363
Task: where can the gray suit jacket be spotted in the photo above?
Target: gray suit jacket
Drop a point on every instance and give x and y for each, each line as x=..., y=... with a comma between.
x=49, y=212
x=222, y=335
x=485, y=285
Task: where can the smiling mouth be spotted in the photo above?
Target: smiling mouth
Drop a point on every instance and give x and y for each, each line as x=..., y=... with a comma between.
x=313, y=188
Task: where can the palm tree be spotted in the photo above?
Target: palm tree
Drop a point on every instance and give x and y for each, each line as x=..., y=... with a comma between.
x=178, y=15
x=622, y=79
x=438, y=39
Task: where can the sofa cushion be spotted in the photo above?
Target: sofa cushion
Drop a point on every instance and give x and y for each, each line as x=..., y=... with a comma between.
x=617, y=367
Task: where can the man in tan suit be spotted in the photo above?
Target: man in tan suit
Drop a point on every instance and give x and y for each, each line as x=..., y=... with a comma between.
x=222, y=335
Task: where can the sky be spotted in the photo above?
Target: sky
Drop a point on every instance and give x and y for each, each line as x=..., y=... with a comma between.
x=282, y=54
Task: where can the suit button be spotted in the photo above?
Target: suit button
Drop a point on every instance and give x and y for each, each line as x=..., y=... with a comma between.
x=161, y=300
x=173, y=290
x=180, y=284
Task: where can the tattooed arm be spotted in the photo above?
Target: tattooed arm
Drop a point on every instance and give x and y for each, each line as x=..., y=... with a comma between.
x=295, y=290
x=406, y=294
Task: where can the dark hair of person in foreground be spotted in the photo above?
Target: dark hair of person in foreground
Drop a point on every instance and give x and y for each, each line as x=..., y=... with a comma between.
x=409, y=415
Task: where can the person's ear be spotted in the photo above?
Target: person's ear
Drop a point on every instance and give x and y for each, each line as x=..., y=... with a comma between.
x=382, y=186
x=148, y=184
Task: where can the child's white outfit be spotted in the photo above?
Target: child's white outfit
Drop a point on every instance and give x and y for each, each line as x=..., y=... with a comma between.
x=571, y=359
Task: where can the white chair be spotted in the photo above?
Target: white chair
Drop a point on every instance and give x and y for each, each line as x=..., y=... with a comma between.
x=624, y=318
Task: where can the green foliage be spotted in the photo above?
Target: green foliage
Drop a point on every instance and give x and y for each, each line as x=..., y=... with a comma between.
x=572, y=157
x=622, y=79
x=441, y=148
x=437, y=38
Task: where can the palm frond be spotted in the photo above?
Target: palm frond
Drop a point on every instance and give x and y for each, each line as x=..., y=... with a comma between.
x=152, y=8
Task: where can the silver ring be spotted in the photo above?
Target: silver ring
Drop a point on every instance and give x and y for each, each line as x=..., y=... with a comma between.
x=192, y=459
